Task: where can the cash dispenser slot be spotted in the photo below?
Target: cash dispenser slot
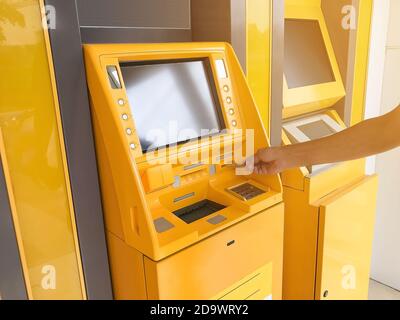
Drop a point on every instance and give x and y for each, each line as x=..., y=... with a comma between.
x=198, y=211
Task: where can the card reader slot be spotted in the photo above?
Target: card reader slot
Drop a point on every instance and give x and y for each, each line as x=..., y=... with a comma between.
x=198, y=211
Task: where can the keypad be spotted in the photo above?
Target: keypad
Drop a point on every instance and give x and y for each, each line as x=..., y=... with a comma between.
x=247, y=191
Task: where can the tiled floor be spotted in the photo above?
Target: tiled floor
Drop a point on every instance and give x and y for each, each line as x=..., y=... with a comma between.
x=378, y=291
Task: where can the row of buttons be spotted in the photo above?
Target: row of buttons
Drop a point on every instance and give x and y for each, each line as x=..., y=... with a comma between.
x=125, y=117
x=229, y=101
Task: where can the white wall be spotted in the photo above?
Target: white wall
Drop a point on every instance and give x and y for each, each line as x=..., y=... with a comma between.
x=377, y=55
x=386, y=254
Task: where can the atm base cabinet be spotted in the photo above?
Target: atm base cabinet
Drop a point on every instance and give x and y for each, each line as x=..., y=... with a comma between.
x=240, y=263
x=328, y=244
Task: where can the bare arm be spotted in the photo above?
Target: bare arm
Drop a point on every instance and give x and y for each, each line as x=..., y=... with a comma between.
x=365, y=139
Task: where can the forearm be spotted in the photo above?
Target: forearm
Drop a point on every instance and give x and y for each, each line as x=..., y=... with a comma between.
x=367, y=138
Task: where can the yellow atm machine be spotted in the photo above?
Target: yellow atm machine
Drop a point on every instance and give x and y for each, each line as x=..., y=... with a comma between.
x=330, y=209
x=179, y=226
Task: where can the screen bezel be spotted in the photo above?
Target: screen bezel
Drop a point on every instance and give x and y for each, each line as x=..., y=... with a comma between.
x=212, y=82
x=297, y=101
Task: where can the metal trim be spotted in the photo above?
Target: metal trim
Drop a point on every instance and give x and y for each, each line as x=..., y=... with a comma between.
x=239, y=31
x=277, y=57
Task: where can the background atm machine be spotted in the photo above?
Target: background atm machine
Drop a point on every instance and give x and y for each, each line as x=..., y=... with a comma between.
x=182, y=231
x=329, y=209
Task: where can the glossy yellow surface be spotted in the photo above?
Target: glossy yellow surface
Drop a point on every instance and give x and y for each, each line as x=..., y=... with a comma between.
x=299, y=101
x=134, y=195
x=346, y=225
x=208, y=269
x=320, y=209
x=361, y=64
x=256, y=286
x=17, y=227
x=258, y=28
x=34, y=149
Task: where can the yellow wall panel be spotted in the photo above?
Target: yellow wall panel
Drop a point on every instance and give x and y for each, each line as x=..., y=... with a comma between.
x=258, y=50
x=362, y=56
x=30, y=125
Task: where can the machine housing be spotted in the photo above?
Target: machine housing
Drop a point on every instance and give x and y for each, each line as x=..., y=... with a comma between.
x=232, y=253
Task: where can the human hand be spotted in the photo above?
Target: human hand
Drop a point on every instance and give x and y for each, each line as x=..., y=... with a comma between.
x=269, y=161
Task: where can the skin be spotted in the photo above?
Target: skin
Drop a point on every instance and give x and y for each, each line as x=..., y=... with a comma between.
x=368, y=138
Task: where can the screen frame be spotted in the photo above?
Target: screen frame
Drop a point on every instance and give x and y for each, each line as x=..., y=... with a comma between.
x=311, y=98
x=212, y=82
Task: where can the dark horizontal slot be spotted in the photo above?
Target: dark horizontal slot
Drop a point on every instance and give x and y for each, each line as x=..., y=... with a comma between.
x=198, y=211
x=231, y=243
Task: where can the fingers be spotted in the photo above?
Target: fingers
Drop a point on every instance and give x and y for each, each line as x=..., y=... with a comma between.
x=264, y=155
x=266, y=168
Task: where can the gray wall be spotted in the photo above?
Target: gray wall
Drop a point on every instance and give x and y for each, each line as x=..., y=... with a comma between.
x=128, y=21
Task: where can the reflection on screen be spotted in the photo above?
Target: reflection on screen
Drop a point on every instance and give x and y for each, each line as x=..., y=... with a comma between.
x=306, y=58
x=172, y=102
x=317, y=130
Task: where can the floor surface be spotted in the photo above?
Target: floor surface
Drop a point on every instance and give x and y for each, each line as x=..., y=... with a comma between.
x=378, y=291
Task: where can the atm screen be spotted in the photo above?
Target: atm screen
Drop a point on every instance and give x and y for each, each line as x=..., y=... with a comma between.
x=172, y=102
x=306, y=59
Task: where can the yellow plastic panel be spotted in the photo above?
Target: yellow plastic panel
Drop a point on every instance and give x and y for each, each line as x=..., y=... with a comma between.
x=291, y=3
x=259, y=55
x=361, y=67
x=30, y=123
x=300, y=249
x=257, y=286
x=3, y=161
x=206, y=269
x=345, y=242
x=301, y=100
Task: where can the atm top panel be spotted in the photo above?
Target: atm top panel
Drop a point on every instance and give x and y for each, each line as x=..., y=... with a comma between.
x=312, y=79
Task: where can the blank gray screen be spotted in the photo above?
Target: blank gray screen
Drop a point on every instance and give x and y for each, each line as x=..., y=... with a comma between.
x=306, y=58
x=172, y=102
